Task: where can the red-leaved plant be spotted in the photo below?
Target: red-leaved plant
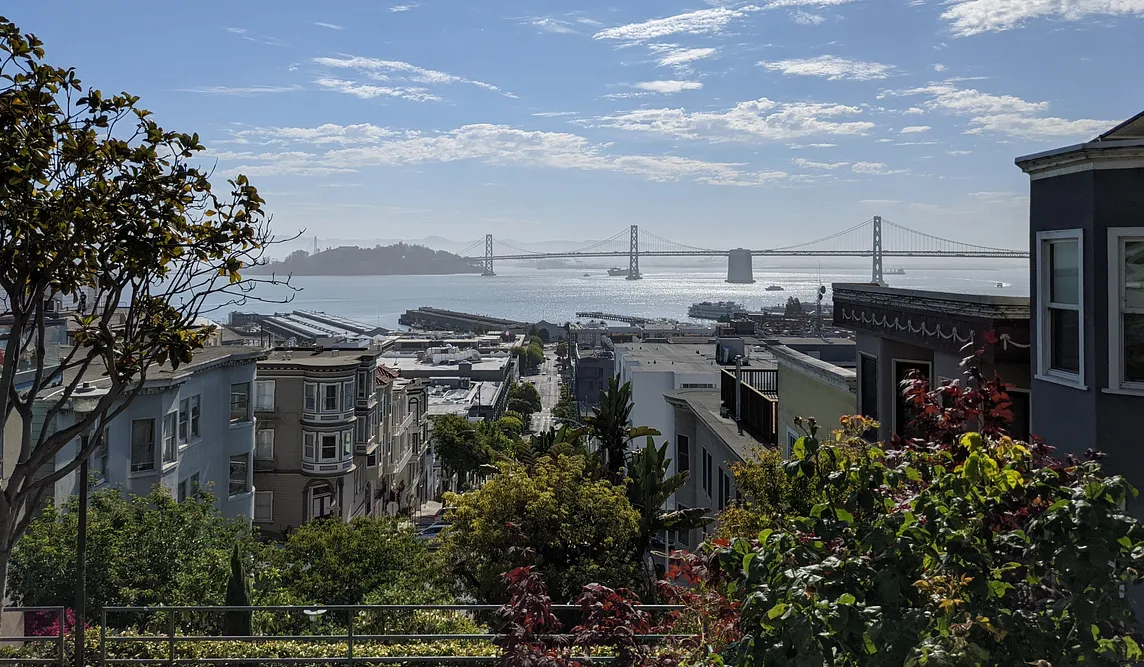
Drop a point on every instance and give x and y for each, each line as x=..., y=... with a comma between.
x=529, y=638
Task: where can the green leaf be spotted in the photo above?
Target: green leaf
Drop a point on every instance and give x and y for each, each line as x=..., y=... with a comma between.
x=1095, y=632
x=1124, y=542
x=912, y=474
x=776, y=611
x=847, y=598
x=868, y=644
x=1058, y=505
x=844, y=516
x=799, y=450
x=765, y=534
x=1132, y=649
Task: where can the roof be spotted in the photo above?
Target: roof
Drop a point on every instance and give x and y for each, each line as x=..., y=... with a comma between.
x=705, y=405
x=314, y=358
x=204, y=359
x=663, y=357
x=834, y=375
x=1120, y=147
x=952, y=303
x=1133, y=128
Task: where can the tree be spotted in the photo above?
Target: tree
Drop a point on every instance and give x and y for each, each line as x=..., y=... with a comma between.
x=567, y=408
x=794, y=307
x=649, y=488
x=526, y=396
x=98, y=200
x=141, y=550
x=956, y=547
x=609, y=425
x=334, y=562
x=458, y=447
x=237, y=623
x=562, y=349
x=575, y=529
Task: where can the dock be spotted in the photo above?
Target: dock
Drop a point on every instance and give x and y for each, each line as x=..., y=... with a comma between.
x=438, y=319
x=612, y=317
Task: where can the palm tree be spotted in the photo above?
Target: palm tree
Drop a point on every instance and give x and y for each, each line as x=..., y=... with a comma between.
x=609, y=425
x=649, y=488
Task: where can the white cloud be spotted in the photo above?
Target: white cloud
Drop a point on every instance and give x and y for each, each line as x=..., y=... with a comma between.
x=797, y=146
x=398, y=72
x=331, y=26
x=490, y=144
x=624, y=96
x=830, y=67
x=405, y=8
x=881, y=202
x=668, y=87
x=1004, y=114
x=251, y=37
x=239, y=90
x=914, y=129
x=587, y=21
x=776, y=4
x=806, y=18
x=939, y=67
x=875, y=169
x=553, y=25
x=747, y=121
x=972, y=17
x=959, y=152
x=330, y=133
x=367, y=92
x=699, y=22
x=671, y=55
x=914, y=111
x=811, y=164
x=554, y=114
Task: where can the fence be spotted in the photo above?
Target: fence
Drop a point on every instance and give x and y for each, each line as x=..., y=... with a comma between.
x=349, y=640
x=58, y=639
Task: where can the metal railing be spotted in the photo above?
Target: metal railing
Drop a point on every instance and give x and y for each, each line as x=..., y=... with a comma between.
x=57, y=639
x=350, y=639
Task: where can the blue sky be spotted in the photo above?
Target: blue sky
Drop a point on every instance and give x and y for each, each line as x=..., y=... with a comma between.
x=712, y=123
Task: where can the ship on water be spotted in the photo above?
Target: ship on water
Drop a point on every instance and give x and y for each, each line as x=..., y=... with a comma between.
x=617, y=271
x=895, y=272
x=706, y=310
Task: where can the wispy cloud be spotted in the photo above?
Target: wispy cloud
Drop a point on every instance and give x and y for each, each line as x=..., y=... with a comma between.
x=668, y=87
x=803, y=17
x=699, y=22
x=831, y=68
x=330, y=133
x=587, y=21
x=491, y=144
x=394, y=72
x=914, y=129
x=238, y=90
x=1003, y=114
x=405, y=8
x=679, y=58
x=972, y=17
x=555, y=114
x=552, y=25
x=747, y=121
x=257, y=39
x=875, y=169
x=366, y=91
x=811, y=164
x=331, y=26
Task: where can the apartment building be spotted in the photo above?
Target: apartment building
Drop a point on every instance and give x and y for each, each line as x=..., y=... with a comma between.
x=319, y=436
x=189, y=429
x=410, y=477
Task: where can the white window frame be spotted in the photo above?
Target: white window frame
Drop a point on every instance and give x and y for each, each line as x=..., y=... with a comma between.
x=264, y=494
x=309, y=444
x=338, y=386
x=245, y=418
x=1116, y=382
x=256, y=444
x=1044, y=369
x=322, y=458
x=310, y=397
x=184, y=421
x=196, y=417
x=170, y=453
x=260, y=394
x=792, y=437
x=246, y=480
x=348, y=397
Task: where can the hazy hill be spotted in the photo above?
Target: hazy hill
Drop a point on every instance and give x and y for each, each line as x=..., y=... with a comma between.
x=393, y=260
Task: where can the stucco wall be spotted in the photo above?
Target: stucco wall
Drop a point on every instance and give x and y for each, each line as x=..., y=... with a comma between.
x=802, y=395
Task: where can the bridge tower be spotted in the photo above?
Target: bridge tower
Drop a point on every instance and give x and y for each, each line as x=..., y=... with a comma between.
x=740, y=269
x=634, y=255
x=488, y=263
x=876, y=272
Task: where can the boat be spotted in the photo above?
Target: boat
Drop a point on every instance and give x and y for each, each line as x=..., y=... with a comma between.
x=617, y=271
x=706, y=310
x=587, y=275
x=1000, y=284
x=774, y=288
x=895, y=272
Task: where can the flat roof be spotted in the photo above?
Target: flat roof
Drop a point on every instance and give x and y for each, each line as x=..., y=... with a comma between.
x=706, y=403
x=411, y=363
x=953, y=303
x=679, y=357
x=322, y=358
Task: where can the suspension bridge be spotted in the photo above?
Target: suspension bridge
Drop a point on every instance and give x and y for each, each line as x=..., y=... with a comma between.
x=875, y=238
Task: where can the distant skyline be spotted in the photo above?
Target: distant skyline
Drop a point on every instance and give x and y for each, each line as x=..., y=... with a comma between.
x=711, y=123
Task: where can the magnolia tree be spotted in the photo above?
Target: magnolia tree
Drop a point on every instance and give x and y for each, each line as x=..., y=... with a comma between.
x=97, y=200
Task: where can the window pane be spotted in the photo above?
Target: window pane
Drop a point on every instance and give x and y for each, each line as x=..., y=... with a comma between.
x=239, y=402
x=308, y=446
x=1064, y=272
x=184, y=418
x=311, y=396
x=170, y=452
x=142, y=444
x=330, y=397
x=682, y=453
x=1064, y=346
x=329, y=447
x=264, y=506
x=264, y=444
x=238, y=466
x=1134, y=347
x=194, y=416
x=1133, y=274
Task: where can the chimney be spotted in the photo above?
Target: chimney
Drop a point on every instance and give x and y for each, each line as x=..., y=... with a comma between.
x=739, y=392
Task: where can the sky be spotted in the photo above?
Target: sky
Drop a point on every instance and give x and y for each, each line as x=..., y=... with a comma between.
x=717, y=124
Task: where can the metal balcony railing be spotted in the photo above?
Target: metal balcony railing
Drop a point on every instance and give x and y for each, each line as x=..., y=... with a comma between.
x=60, y=641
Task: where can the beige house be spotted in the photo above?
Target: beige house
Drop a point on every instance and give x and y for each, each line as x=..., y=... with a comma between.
x=320, y=419
x=810, y=387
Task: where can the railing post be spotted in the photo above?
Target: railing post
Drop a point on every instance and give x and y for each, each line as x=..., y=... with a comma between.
x=170, y=637
x=102, y=637
x=63, y=645
x=350, y=636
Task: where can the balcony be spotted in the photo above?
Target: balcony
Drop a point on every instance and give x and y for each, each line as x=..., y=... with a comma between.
x=397, y=467
x=328, y=468
x=328, y=418
x=366, y=448
x=265, y=465
x=404, y=424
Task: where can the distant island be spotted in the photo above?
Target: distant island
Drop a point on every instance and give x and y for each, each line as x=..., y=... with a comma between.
x=393, y=260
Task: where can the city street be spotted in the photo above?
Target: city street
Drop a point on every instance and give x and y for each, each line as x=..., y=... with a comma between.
x=548, y=384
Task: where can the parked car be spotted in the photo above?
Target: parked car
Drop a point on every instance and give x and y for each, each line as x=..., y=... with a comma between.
x=442, y=514
x=432, y=532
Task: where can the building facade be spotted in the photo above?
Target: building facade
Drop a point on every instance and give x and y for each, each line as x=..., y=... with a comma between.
x=1086, y=228
x=188, y=430
x=811, y=387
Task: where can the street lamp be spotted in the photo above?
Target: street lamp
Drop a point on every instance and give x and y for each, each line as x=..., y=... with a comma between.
x=84, y=400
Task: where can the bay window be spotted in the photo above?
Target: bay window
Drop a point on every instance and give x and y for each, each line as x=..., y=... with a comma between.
x=309, y=445
x=330, y=398
x=311, y=397
x=1126, y=309
x=348, y=395
x=142, y=445
x=195, y=400
x=239, y=402
x=239, y=467
x=329, y=446
x=1060, y=306
x=170, y=450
